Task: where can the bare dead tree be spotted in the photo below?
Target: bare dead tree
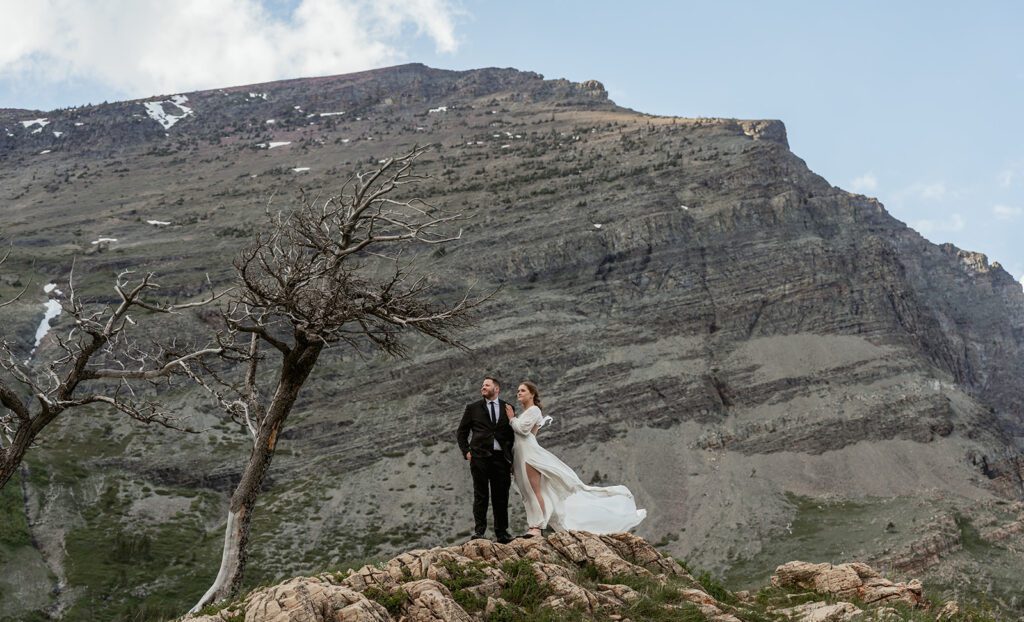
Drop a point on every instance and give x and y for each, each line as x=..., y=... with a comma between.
x=3, y=259
x=326, y=273
x=96, y=363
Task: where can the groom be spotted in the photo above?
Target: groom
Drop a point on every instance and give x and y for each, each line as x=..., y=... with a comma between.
x=490, y=458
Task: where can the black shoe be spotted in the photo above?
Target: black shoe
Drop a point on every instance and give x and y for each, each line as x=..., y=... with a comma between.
x=477, y=536
x=504, y=538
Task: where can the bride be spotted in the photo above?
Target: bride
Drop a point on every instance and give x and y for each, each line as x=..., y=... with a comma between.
x=554, y=495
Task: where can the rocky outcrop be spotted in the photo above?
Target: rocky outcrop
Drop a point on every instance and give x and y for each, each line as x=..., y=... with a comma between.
x=606, y=577
x=853, y=580
x=442, y=584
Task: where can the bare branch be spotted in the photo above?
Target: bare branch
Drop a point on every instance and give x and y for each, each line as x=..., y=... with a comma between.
x=149, y=374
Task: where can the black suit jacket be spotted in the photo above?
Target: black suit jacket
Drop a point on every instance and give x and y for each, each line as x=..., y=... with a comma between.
x=477, y=420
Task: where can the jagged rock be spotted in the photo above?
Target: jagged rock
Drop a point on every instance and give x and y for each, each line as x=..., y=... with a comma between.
x=431, y=601
x=633, y=547
x=623, y=593
x=307, y=600
x=493, y=604
x=421, y=574
x=949, y=611
x=415, y=582
x=369, y=576
x=569, y=595
x=886, y=614
x=581, y=547
x=822, y=612
x=847, y=580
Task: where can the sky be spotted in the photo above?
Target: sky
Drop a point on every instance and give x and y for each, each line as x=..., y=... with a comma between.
x=916, y=102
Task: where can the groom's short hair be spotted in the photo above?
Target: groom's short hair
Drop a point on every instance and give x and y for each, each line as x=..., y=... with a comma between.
x=494, y=380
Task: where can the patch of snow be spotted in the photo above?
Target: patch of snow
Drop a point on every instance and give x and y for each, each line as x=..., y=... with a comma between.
x=497, y=135
x=312, y=114
x=505, y=146
x=330, y=114
x=40, y=122
x=52, y=287
x=297, y=107
x=271, y=145
x=381, y=161
x=257, y=95
x=420, y=128
x=36, y=131
x=345, y=140
x=494, y=112
x=104, y=240
x=271, y=121
x=58, y=134
x=44, y=152
x=598, y=225
x=438, y=109
x=684, y=208
x=51, y=309
x=156, y=111
x=79, y=124
x=359, y=118
x=300, y=169
x=157, y=223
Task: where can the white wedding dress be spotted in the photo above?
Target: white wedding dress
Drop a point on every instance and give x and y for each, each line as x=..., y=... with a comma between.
x=569, y=504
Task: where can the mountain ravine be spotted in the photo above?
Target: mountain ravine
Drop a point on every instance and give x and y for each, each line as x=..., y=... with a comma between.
x=778, y=368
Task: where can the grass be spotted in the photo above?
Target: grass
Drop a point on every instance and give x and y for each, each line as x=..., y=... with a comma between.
x=138, y=574
x=523, y=588
x=780, y=598
x=392, y=601
x=828, y=531
x=14, y=530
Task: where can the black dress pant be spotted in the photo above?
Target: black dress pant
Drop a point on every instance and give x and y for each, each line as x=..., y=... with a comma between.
x=491, y=476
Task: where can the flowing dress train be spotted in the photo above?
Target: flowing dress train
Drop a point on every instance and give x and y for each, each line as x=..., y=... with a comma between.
x=569, y=504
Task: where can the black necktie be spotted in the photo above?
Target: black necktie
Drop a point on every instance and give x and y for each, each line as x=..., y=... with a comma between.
x=494, y=415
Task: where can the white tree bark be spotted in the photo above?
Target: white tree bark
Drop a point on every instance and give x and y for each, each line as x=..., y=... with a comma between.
x=228, y=562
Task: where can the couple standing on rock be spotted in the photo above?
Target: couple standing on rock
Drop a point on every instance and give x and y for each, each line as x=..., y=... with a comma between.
x=501, y=446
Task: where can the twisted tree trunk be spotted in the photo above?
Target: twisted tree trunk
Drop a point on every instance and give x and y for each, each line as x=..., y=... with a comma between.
x=295, y=369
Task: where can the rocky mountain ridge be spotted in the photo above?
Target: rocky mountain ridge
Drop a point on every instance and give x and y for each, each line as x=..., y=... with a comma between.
x=773, y=365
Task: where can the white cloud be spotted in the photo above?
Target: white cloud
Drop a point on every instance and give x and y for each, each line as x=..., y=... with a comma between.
x=1011, y=174
x=952, y=224
x=865, y=183
x=931, y=192
x=1006, y=212
x=150, y=47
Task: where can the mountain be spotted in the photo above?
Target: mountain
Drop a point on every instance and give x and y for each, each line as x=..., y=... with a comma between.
x=776, y=367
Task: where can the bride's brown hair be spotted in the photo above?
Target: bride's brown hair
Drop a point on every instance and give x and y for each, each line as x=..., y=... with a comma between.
x=533, y=391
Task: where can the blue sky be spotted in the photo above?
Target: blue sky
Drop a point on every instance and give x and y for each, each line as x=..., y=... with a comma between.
x=915, y=103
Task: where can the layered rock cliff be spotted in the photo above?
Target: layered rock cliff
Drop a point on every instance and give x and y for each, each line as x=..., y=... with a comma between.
x=768, y=361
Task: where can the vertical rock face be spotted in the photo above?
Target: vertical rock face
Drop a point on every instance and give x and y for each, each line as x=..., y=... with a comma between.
x=712, y=324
